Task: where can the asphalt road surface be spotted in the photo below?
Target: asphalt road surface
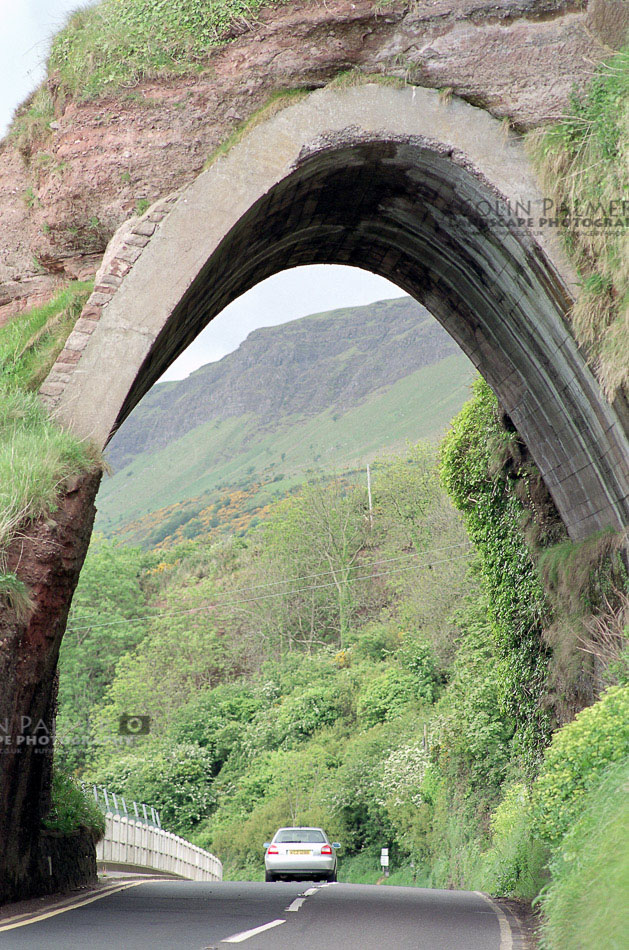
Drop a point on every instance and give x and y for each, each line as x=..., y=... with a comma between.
x=186, y=915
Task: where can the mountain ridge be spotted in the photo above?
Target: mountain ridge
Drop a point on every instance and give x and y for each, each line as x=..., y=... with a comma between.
x=325, y=393
x=355, y=350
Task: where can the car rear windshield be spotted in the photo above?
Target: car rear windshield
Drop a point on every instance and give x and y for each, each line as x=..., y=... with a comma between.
x=309, y=836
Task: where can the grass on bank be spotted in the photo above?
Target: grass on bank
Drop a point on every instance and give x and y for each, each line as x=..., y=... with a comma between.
x=35, y=454
x=584, y=166
x=35, y=458
x=586, y=905
x=115, y=44
x=31, y=341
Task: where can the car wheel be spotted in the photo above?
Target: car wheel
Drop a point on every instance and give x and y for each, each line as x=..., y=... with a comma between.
x=269, y=876
x=331, y=877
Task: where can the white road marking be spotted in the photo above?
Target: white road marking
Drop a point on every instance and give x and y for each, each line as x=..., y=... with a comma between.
x=310, y=891
x=296, y=904
x=506, y=937
x=238, y=938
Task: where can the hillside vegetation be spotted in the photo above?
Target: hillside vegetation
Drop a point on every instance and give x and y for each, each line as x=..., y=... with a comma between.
x=144, y=38
x=380, y=676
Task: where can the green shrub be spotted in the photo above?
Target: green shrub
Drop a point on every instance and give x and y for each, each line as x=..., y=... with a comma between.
x=575, y=760
x=215, y=720
x=354, y=797
x=403, y=794
x=587, y=904
x=111, y=586
x=176, y=781
x=418, y=658
x=384, y=696
x=472, y=736
x=278, y=788
x=303, y=713
x=72, y=808
x=374, y=641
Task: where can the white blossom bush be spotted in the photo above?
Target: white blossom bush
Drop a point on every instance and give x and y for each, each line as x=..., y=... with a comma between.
x=402, y=776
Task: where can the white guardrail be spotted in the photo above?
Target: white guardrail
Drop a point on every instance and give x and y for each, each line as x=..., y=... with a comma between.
x=138, y=846
x=112, y=804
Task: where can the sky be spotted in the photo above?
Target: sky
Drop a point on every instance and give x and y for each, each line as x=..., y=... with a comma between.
x=25, y=30
x=26, y=27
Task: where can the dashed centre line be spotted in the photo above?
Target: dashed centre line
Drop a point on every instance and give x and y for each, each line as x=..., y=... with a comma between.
x=238, y=938
x=296, y=904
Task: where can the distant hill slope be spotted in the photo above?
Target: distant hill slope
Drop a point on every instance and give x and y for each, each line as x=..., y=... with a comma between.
x=328, y=392
x=328, y=360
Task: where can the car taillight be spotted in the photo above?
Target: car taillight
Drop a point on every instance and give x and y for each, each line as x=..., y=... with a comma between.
x=272, y=850
x=326, y=849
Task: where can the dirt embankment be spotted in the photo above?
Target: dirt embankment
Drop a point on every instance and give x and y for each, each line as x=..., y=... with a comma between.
x=99, y=162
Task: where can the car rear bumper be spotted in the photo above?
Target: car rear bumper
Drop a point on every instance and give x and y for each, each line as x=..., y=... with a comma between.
x=297, y=865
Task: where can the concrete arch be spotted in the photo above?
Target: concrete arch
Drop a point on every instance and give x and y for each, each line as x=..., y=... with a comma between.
x=429, y=194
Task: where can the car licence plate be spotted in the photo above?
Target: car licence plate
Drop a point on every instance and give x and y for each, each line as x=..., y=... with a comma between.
x=297, y=851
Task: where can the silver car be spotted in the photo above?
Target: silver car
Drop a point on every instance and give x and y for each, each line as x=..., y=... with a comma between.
x=300, y=853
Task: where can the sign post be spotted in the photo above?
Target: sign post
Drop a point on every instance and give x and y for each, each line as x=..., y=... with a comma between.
x=384, y=861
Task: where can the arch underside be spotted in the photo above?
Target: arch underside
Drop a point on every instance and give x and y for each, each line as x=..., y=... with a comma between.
x=419, y=218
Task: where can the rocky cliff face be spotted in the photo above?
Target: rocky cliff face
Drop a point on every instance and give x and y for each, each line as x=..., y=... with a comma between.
x=64, y=193
x=334, y=359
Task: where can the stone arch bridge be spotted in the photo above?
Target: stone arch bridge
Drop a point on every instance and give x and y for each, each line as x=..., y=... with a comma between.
x=427, y=191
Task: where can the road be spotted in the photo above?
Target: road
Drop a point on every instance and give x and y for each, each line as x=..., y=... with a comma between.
x=185, y=915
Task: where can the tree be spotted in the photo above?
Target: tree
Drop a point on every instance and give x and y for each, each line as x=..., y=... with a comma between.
x=317, y=537
x=408, y=495
x=102, y=627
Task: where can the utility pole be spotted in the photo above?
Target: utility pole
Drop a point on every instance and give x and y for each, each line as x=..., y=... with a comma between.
x=369, y=494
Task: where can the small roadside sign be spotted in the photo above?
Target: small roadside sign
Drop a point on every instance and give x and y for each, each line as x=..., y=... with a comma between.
x=384, y=857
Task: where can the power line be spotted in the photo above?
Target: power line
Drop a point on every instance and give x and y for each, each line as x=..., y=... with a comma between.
x=274, y=594
x=298, y=590
x=287, y=580
x=376, y=562
x=384, y=560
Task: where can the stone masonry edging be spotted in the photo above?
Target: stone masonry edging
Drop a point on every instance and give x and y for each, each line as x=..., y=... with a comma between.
x=126, y=249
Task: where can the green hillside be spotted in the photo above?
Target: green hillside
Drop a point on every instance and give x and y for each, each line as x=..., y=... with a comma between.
x=235, y=453
x=353, y=393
